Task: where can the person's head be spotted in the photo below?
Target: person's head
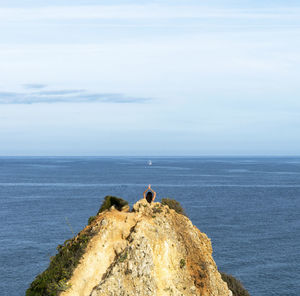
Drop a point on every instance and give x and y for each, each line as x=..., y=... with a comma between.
x=149, y=196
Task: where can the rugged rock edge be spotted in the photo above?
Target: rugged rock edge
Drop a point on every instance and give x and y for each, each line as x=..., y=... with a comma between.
x=150, y=251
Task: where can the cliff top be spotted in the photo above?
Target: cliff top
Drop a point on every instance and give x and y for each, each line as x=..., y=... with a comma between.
x=151, y=250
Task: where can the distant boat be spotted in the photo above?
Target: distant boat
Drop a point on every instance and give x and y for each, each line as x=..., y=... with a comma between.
x=149, y=162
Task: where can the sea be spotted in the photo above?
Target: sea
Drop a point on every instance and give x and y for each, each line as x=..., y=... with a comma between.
x=248, y=206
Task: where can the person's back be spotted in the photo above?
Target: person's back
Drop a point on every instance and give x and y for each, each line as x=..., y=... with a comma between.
x=151, y=194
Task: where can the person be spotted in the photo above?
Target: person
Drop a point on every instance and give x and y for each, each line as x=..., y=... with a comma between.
x=151, y=194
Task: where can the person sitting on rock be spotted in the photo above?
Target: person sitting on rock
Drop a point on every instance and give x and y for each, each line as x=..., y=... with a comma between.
x=151, y=194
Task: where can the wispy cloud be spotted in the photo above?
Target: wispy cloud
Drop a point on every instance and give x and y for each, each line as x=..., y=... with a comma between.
x=34, y=85
x=66, y=96
x=150, y=11
x=61, y=92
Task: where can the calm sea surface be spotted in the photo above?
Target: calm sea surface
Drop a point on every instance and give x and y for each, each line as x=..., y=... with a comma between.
x=249, y=207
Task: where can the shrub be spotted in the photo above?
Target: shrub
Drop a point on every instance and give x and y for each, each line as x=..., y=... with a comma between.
x=110, y=201
x=234, y=285
x=91, y=219
x=173, y=204
x=182, y=263
x=54, y=279
x=156, y=209
x=123, y=257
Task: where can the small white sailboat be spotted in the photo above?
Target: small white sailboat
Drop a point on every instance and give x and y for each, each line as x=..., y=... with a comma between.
x=149, y=162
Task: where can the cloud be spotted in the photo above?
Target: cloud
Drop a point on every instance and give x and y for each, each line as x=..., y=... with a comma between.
x=142, y=12
x=66, y=96
x=34, y=86
x=61, y=92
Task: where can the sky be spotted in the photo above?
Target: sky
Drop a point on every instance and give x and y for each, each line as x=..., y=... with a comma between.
x=149, y=77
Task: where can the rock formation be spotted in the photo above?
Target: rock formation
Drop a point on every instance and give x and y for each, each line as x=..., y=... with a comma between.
x=150, y=251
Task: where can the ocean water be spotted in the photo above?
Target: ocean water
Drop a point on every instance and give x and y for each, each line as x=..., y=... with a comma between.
x=249, y=207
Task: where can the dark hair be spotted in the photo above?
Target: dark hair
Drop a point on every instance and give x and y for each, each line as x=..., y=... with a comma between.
x=149, y=196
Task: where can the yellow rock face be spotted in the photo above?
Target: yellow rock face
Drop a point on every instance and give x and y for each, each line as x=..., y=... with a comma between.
x=151, y=251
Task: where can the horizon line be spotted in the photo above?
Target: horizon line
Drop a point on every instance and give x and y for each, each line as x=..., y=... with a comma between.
x=157, y=156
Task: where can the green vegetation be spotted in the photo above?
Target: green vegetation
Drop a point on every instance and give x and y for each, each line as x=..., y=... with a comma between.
x=110, y=201
x=157, y=209
x=123, y=256
x=182, y=263
x=54, y=279
x=173, y=204
x=91, y=219
x=234, y=285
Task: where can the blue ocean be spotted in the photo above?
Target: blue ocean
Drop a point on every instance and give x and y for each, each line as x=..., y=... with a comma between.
x=249, y=208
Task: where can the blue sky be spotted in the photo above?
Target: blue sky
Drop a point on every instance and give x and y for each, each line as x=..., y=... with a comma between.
x=149, y=77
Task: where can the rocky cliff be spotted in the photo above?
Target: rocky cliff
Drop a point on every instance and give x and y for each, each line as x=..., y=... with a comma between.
x=151, y=250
